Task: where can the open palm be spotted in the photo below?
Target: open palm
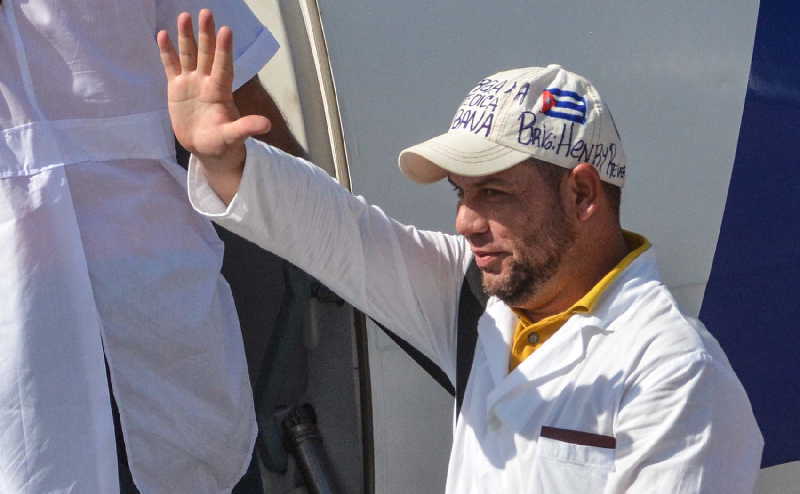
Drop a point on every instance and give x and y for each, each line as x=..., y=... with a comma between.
x=199, y=92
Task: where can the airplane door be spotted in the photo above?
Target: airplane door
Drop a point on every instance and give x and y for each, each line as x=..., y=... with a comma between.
x=303, y=344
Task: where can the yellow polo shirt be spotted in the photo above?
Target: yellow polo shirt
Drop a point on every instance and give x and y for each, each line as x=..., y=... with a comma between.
x=529, y=336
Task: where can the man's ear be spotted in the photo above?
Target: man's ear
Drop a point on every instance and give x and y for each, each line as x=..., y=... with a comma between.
x=584, y=187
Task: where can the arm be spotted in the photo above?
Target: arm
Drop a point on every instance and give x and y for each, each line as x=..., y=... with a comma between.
x=407, y=279
x=253, y=99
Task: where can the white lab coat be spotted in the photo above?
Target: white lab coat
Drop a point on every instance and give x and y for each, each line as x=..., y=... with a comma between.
x=635, y=369
x=101, y=253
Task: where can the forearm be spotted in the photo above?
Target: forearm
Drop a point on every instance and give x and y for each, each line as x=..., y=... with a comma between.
x=405, y=278
x=253, y=99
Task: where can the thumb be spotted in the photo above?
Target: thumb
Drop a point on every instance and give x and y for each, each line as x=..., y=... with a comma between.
x=245, y=127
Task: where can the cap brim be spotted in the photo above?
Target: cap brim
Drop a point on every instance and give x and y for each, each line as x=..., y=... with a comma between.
x=462, y=153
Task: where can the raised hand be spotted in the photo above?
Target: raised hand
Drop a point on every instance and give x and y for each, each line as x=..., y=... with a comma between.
x=200, y=97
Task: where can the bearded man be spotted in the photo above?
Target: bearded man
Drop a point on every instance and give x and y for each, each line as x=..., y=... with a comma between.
x=586, y=377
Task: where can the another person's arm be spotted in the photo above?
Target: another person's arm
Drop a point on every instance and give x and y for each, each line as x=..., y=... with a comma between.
x=253, y=99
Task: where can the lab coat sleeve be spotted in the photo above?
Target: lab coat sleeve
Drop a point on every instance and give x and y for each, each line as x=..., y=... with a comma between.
x=685, y=426
x=405, y=278
x=253, y=46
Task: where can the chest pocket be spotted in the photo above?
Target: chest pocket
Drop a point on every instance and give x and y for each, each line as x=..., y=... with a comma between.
x=562, y=467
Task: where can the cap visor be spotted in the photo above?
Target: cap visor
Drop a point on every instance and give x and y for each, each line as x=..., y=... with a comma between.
x=461, y=153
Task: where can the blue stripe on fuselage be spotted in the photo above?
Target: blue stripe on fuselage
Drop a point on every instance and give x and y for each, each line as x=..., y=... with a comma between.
x=751, y=302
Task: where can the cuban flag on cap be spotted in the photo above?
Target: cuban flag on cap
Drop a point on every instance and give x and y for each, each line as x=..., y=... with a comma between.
x=560, y=103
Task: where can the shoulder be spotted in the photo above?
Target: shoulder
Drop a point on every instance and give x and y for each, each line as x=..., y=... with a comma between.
x=650, y=329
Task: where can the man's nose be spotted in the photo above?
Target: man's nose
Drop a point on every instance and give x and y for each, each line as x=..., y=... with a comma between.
x=470, y=222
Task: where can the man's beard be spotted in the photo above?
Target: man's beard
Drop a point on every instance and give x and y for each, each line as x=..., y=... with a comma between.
x=542, y=253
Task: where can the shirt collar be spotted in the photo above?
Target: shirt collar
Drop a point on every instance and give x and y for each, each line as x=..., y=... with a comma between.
x=637, y=244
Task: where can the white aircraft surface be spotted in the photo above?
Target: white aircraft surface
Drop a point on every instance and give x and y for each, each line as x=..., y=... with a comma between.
x=707, y=98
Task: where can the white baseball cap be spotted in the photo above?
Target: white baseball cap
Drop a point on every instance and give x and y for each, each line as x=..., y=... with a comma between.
x=547, y=113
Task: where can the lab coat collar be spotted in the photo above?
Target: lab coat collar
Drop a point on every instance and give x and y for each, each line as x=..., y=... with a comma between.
x=515, y=394
x=540, y=377
x=495, y=330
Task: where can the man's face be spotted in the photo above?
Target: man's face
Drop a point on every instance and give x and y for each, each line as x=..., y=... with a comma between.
x=517, y=229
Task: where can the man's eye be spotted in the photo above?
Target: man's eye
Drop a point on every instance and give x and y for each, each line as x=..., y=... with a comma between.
x=492, y=192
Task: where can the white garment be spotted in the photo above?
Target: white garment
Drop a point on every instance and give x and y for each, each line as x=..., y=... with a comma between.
x=100, y=251
x=635, y=369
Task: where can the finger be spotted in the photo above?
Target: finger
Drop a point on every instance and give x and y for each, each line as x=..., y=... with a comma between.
x=169, y=59
x=207, y=41
x=251, y=125
x=187, y=48
x=222, y=70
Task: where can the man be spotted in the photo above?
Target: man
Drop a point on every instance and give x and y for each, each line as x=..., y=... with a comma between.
x=586, y=377
x=103, y=260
